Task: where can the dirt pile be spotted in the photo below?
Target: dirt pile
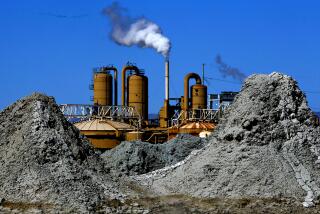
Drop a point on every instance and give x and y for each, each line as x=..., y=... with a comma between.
x=265, y=146
x=44, y=160
x=133, y=158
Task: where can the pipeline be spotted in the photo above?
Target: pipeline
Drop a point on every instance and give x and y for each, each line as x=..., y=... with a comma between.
x=186, y=88
x=123, y=73
x=115, y=81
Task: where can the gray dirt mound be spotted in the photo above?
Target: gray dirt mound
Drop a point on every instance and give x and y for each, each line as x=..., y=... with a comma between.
x=136, y=157
x=265, y=146
x=43, y=159
x=269, y=108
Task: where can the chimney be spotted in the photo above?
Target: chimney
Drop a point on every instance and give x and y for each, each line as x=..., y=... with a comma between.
x=166, y=76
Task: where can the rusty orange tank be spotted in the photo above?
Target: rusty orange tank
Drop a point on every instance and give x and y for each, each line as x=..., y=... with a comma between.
x=138, y=94
x=102, y=87
x=198, y=96
x=104, y=134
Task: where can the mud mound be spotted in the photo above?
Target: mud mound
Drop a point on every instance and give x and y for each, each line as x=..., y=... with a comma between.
x=44, y=160
x=269, y=108
x=136, y=157
x=265, y=146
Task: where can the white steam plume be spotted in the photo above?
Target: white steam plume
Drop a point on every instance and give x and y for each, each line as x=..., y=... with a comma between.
x=136, y=31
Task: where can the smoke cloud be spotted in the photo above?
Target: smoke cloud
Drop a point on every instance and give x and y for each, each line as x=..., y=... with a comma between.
x=227, y=70
x=130, y=31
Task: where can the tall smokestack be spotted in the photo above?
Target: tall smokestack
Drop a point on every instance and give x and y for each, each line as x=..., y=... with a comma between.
x=166, y=77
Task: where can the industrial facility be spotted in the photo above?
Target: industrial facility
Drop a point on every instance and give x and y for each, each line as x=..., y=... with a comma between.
x=106, y=123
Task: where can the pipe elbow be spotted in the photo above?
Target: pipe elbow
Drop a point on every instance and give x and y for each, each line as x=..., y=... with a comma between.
x=186, y=87
x=193, y=76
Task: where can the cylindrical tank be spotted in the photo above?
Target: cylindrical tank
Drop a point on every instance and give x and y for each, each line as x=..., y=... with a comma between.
x=198, y=96
x=138, y=94
x=102, y=86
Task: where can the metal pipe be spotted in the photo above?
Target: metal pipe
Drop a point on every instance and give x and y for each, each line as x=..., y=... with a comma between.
x=166, y=77
x=186, y=88
x=203, y=72
x=115, y=81
x=123, y=80
x=166, y=91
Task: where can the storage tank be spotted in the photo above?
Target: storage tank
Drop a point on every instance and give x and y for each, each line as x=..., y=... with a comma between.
x=104, y=134
x=137, y=91
x=198, y=96
x=102, y=87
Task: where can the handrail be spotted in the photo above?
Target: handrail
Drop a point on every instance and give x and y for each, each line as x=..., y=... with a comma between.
x=205, y=115
x=80, y=111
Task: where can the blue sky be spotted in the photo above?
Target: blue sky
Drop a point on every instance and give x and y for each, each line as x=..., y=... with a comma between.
x=55, y=55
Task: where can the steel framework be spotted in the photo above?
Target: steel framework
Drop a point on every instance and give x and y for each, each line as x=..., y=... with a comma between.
x=208, y=115
x=84, y=112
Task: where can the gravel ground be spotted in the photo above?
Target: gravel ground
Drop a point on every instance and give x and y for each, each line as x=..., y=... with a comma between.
x=136, y=157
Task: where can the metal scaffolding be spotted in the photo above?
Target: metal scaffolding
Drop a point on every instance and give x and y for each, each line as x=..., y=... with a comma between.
x=204, y=115
x=84, y=112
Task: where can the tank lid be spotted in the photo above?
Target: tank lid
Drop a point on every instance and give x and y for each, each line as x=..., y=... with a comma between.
x=102, y=125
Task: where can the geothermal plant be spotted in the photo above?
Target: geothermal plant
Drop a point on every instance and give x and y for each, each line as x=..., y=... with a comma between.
x=252, y=151
x=106, y=123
